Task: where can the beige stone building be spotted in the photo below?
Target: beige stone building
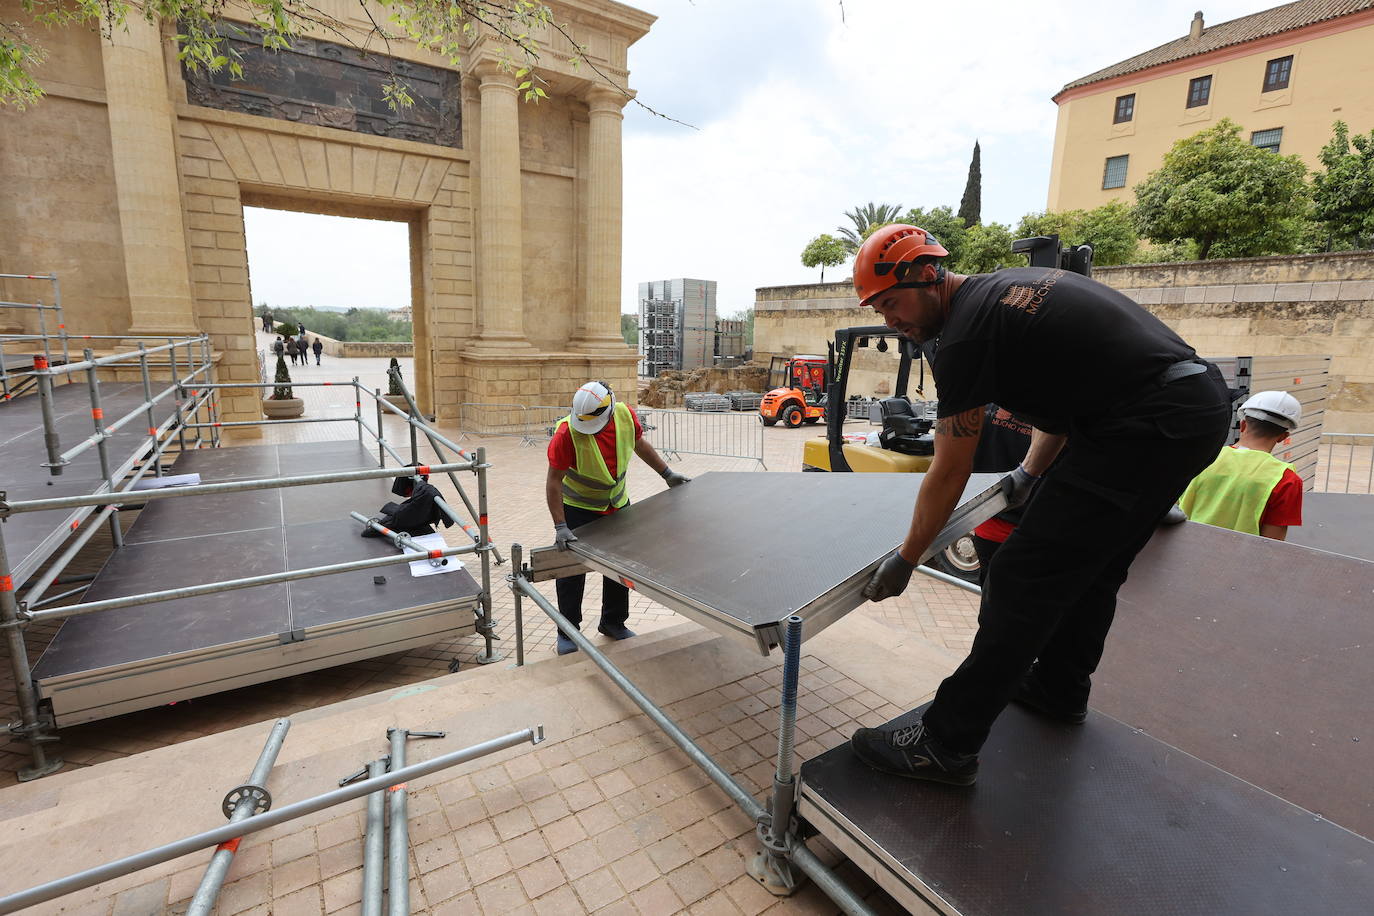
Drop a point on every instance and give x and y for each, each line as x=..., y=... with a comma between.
x=129, y=181
x=1285, y=75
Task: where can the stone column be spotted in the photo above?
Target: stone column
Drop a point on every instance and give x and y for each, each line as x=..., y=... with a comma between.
x=598, y=311
x=500, y=253
x=144, y=157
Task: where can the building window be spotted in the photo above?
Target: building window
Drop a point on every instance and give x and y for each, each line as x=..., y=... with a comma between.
x=1199, y=91
x=1276, y=73
x=1114, y=175
x=1267, y=139
x=1125, y=108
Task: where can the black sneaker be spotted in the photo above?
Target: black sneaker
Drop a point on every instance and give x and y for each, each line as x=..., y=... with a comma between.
x=615, y=630
x=564, y=646
x=912, y=752
x=1033, y=696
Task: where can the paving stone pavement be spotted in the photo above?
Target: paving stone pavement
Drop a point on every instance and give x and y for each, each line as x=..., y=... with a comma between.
x=942, y=614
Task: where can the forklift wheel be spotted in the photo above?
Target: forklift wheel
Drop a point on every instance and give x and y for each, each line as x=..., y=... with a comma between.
x=811, y=421
x=792, y=416
x=768, y=421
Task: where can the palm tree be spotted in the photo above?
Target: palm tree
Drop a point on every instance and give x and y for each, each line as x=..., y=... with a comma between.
x=866, y=219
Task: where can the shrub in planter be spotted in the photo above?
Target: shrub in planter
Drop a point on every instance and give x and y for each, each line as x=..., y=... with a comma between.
x=394, y=394
x=282, y=403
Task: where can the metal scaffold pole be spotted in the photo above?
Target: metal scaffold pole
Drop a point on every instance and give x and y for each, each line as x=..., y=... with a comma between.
x=248, y=799
x=148, y=400
x=33, y=727
x=488, y=628
x=98, y=418
x=398, y=838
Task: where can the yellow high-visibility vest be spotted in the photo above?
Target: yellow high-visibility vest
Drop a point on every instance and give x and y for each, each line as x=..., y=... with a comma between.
x=1234, y=490
x=590, y=485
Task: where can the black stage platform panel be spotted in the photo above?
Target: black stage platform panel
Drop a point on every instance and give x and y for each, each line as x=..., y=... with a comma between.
x=740, y=552
x=1255, y=655
x=131, y=658
x=1101, y=819
x=30, y=537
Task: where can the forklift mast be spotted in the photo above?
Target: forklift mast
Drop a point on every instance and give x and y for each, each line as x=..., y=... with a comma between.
x=841, y=354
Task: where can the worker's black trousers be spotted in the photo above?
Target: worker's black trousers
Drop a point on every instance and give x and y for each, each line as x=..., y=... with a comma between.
x=1050, y=592
x=615, y=598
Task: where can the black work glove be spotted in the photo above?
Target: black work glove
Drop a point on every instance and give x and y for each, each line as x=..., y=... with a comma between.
x=1017, y=486
x=890, y=578
x=674, y=478
x=563, y=536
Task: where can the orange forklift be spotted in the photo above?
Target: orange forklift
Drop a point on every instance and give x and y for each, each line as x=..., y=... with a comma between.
x=797, y=390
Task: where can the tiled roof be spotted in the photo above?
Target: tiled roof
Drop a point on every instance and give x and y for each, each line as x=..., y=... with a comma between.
x=1247, y=28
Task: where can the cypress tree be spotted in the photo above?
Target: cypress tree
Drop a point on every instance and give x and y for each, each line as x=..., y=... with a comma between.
x=971, y=207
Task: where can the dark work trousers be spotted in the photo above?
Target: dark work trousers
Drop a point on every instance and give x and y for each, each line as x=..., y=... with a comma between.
x=615, y=598
x=1050, y=589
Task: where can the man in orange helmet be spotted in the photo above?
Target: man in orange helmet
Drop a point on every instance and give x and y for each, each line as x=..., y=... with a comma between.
x=1136, y=415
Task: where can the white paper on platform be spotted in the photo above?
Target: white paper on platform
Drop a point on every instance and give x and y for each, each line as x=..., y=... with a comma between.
x=169, y=480
x=424, y=567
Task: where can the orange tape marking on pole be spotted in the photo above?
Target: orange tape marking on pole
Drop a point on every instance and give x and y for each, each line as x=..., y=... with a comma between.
x=435, y=554
x=98, y=413
x=231, y=845
x=6, y=584
x=76, y=523
x=422, y=469
x=627, y=583
x=481, y=519
x=399, y=788
x=40, y=362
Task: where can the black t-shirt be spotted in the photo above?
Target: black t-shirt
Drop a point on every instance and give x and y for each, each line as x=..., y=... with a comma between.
x=1051, y=346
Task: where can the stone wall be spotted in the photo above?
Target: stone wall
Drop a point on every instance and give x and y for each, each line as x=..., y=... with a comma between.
x=1290, y=305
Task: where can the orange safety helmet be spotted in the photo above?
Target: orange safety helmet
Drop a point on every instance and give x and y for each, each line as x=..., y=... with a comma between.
x=887, y=256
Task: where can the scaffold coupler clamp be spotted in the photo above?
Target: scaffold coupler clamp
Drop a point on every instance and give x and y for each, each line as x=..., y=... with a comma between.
x=40, y=732
x=771, y=866
x=483, y=628
x=362, y=774
x=260, y=798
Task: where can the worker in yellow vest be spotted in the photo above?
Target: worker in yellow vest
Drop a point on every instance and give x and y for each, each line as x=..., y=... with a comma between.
x=589, y=458
x=1248, y=489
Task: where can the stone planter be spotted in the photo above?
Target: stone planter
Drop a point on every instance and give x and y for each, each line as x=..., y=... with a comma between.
x=283, y=409
x=397, y=400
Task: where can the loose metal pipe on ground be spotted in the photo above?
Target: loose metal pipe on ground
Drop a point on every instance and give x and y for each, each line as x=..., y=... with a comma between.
x=400, y=540
x=373, y=840
x=204, y=899
x=157, y=855
x=398, y=837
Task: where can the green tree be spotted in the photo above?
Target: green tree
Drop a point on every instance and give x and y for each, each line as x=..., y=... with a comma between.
x=281, y=381
x=971, y=205
x=1110, y=229
x=629, y=328
x=1231, y=198
x=445, y=28
x=940, y=222
x=824, y=251
x=1343, y=190
x=987, y=247
x=865, y=220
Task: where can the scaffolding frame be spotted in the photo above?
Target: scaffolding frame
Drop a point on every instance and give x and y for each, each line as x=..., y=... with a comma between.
x=39, y=308
x=37, y=725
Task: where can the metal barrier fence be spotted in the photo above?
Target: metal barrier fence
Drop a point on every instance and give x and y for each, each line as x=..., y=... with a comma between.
x=718, y=435
x=533, y=424
x=1346, y=466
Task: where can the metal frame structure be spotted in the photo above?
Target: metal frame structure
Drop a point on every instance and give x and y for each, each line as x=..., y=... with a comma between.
x=40, y=309
x=184, y=428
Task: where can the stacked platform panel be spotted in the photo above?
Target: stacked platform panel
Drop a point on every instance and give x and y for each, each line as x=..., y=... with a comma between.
x=118, y=661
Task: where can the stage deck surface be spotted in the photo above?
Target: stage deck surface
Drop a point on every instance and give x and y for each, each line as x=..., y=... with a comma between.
x=1338, y=522
x=30, y=537
x=1097, y=819
x=112, y=661
x=742, y=552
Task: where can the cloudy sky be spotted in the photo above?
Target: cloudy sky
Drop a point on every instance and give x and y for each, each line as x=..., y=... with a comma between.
x=801, y=110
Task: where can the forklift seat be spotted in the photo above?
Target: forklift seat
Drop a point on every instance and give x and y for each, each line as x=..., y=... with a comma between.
x=902, y=430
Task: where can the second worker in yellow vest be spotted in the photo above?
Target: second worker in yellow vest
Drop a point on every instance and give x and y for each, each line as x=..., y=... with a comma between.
x=589, y=460
x=1247, y=489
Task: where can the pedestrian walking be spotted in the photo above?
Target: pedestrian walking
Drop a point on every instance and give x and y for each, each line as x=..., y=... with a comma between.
x=303, y=347
x=292, y=349
x=318, y=348
x=300, y=327
x=278, y=346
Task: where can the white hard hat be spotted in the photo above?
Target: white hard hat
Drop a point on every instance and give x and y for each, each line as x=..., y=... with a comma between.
x=592, y=407
x=1277, y=407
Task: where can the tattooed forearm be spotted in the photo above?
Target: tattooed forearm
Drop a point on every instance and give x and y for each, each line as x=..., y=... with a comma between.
x=962, y=425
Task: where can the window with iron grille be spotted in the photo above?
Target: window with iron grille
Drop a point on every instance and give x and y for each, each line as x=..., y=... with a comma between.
x=1267, y=139
x=1199, y=91
x=1276, y=73
x=1114, y=173
x=1125, y=108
